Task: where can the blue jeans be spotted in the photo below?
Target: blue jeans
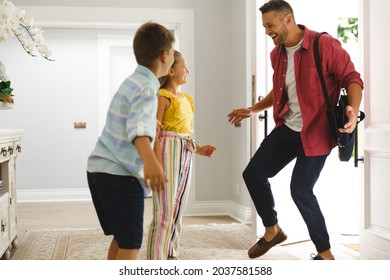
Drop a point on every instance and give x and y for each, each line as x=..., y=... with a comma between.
x=279, y=148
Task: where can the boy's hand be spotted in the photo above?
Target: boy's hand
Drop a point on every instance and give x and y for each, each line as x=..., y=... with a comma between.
x=154, y=176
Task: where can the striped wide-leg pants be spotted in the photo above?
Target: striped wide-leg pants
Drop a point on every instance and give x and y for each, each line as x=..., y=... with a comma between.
x=168, y=205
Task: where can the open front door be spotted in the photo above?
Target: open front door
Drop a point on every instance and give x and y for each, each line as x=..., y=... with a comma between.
x=375, y=206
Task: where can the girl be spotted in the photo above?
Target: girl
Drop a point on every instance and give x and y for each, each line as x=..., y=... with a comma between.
x=175, y=148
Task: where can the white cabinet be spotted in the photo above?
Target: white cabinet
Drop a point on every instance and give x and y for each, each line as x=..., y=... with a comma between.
x=4, y=216
x=10, y=147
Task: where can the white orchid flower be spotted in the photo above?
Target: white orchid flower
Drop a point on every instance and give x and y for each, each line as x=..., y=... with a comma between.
x=2, y=34
x=44, y=51
x=8, y=29
x=7, y=9
x=8, y=4
x=6, y=33
x=34, y=29
x=27, y=45
x=39, y=40
x=4, y=15
x=27, y=21
x=13, y=23
x=3, y=75
x=19, y=13
x=18, y=31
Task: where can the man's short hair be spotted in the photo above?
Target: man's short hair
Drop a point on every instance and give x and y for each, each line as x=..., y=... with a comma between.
x=280, y=6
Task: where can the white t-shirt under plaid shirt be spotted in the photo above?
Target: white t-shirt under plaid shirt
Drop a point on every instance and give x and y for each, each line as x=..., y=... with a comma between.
x=132, y=113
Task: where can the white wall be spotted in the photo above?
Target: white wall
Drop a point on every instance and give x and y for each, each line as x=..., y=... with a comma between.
x=49, y=97
x=49, y=100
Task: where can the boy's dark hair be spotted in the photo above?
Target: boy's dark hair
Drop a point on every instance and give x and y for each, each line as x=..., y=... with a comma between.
x=150, y=40
x=280, y=6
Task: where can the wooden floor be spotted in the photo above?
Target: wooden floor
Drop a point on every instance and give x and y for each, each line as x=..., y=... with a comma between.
x=81, y=214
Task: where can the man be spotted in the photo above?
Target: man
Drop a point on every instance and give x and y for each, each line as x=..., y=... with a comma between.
x=302, y=130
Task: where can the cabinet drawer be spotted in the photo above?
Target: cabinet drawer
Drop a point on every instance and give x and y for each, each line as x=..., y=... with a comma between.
x=17, y=146
x=4, y=223
x=6, y=150
x=10, y=148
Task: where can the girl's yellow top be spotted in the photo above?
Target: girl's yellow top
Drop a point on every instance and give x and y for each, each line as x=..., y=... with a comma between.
x=180, y=114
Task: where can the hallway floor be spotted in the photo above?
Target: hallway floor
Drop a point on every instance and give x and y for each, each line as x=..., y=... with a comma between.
x=81, y=214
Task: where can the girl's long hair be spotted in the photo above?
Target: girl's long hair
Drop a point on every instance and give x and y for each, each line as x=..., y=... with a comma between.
x=165, y=79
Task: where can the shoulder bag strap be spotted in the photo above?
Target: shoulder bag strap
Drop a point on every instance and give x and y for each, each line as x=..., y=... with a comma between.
x=319, y=70
x=320, y=74
x=329, y=110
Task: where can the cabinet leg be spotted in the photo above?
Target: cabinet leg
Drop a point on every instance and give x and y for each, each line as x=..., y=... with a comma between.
x=7, y=255
x=15, y=243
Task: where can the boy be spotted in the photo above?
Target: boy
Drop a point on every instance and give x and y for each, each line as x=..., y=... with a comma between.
x=123, y=166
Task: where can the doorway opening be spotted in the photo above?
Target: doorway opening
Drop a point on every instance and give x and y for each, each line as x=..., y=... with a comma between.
x=338, y=195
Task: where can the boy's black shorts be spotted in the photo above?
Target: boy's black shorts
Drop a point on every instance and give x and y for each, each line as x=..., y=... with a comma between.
x=119, y=204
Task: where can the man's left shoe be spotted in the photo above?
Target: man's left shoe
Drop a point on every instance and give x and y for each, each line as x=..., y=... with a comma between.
x=319, y=258
x=262, y=246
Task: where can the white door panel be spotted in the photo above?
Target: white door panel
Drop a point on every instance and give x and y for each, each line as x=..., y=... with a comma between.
x=116, y=61
x=375, y=206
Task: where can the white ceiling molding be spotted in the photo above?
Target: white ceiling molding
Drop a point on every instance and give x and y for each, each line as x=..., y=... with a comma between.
x=92, y=17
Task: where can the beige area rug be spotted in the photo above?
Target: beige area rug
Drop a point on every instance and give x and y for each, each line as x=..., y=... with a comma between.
x=353, y=246
x=198, y=242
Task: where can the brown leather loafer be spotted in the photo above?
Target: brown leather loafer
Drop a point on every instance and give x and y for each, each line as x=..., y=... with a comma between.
x=319, y=258
x=262, y=246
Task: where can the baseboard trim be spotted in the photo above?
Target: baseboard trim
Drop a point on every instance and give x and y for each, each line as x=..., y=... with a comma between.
x=198, y=208
x=44, y=195
x=215, y=208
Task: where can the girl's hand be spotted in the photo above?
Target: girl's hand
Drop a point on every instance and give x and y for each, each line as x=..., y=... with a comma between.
x=206, y=150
